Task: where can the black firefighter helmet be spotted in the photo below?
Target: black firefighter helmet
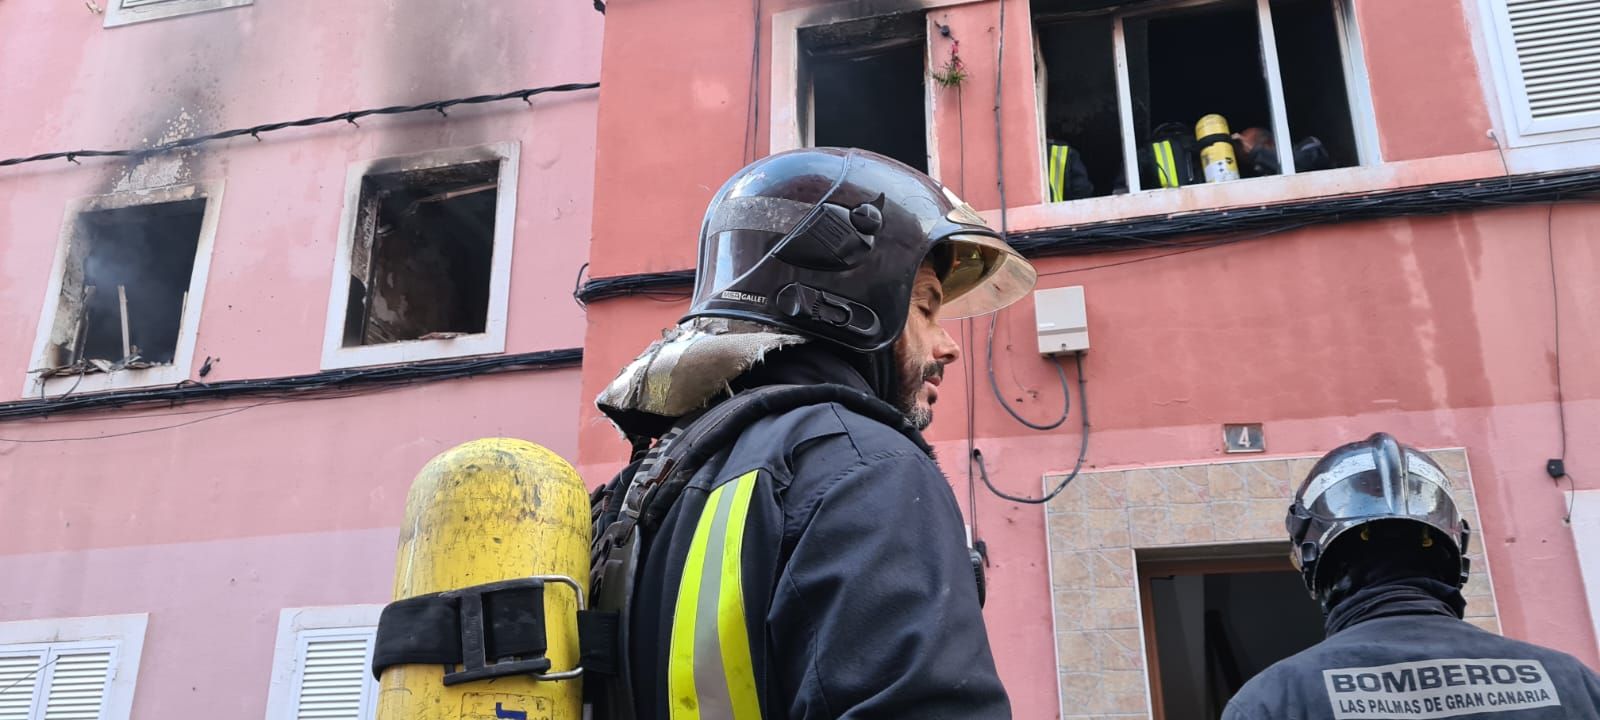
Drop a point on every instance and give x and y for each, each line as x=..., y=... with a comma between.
x=826, y=243
x=1377, y=480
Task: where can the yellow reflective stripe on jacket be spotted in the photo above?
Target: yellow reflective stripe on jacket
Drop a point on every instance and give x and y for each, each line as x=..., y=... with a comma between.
x=1058, y=172
x=710, y=674
x=1166, y=165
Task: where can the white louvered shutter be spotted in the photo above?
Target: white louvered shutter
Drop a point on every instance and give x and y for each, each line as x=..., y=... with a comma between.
x=19, y=676
x=78, y=682
x=1558, y=49
x=334, y=678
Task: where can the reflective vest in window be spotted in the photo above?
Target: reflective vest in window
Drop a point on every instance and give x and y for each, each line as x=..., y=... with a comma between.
x=1169, y=160
x=1069, y=178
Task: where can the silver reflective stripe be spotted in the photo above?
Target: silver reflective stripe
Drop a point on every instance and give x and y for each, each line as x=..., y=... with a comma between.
x=710, y=678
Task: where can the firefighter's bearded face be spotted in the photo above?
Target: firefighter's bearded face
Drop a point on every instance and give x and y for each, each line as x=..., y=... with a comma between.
x=923, y=350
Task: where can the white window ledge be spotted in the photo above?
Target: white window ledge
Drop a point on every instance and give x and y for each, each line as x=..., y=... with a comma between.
x=1265, y=191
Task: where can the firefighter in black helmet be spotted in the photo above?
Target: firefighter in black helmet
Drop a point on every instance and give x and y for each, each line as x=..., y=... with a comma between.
x=1381, y=545
x=797, y=552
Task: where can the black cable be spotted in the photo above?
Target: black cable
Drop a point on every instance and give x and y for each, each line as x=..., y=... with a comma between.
x=961, y=132
x=1066, y=395
x=1227, y=225
x=972, y=424
x=752, y=117
x=1077, y=467
x=1195, y=247
x=600, y=5
x=999, y=136
x=141, y=431
x=1561, y=401
x=438, y=106
x=324, y=384
x=1555, y=308
x=577, y=286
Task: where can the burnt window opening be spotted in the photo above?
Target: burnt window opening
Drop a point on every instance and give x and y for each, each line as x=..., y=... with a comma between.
x=1183, y=64
x=866, y=81
x=421, y=255
x=1081, y=113
x=1211, y=625
x=125, y=288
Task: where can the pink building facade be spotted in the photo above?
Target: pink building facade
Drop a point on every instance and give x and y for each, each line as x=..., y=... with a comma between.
x=212, y=544
x=1436, y=323
x=214, y=523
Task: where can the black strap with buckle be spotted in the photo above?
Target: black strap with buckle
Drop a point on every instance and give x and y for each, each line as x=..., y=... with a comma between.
x=491, y=630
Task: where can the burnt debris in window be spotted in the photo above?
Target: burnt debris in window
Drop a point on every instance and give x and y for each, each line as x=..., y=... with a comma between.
x=125, y=287
x=420, y=259
x=866, y=80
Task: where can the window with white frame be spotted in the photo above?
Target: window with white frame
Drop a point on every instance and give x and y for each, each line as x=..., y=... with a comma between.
x=321, y=665
x=424, y=260
x=1132, y=92
x=123, y=303
x=127, y=12
x=71, y=668
x=1547, y=55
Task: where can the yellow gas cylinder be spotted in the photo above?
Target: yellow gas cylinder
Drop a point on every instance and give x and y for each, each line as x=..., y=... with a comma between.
x=1216, y=148
x=487, y=511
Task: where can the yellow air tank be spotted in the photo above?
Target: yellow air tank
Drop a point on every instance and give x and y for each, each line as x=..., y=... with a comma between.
x=1216, y=149
x=482, y=512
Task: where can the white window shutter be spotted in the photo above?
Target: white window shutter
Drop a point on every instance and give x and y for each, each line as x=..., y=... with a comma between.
x=1558, y=49
x=335, y=683
x=19, y=675
x=78, y=685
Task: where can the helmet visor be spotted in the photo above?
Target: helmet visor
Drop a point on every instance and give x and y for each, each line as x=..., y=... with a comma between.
x=985, y=275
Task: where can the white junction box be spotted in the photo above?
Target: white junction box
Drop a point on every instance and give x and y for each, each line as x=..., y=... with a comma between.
x=1063, y=320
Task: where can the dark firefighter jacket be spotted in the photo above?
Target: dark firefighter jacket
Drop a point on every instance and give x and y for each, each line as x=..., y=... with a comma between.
x=1398, y=650
x=817, y=568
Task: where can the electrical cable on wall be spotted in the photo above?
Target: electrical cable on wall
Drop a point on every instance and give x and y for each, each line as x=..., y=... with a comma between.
x=752, y=117
x=439, y=106
x=1077, y=466
x=1557, y=467
x=1066, y=395
x=1225, y=226
x=1005, y=231
x=337, y=383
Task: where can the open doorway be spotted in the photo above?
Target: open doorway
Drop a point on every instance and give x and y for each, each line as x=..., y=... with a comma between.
x=1214, y=618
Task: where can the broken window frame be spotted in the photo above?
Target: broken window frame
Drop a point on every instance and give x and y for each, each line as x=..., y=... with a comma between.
x=71, y=240
x=791, y=119
x=128, y=12
x=1351, y=56
x=335, y=355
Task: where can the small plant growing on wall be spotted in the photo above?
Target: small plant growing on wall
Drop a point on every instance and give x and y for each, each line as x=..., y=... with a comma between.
x=954, y=72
